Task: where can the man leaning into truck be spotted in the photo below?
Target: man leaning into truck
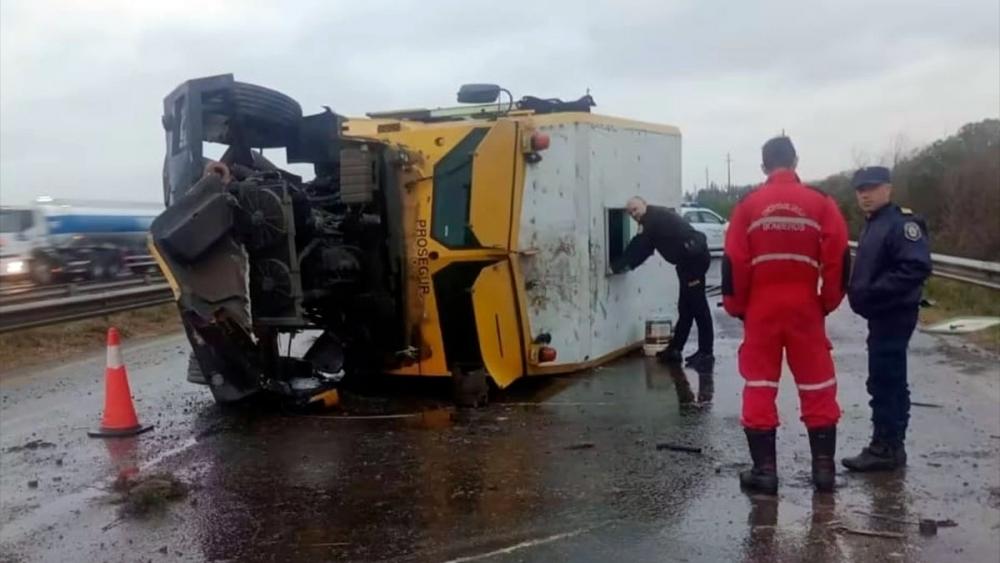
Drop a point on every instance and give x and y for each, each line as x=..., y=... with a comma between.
x=680, y=244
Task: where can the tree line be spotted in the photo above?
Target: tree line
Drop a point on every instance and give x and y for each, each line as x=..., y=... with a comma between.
x=953, y=183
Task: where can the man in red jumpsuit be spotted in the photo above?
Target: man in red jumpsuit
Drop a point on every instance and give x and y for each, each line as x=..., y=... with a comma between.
x=785, y=238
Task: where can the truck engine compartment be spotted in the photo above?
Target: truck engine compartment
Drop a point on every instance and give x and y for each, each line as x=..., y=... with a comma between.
x=256, y=255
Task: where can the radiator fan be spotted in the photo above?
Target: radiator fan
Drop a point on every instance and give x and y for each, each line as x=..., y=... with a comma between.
x=265, y=217
x=272, y=284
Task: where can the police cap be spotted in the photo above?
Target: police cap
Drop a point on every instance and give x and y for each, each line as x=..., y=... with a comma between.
x=871, y=176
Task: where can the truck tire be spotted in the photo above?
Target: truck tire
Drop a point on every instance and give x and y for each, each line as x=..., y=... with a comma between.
x=96, y=270
x=268, y=118
x=257, y=102
x=41, y=271
x=113, y=266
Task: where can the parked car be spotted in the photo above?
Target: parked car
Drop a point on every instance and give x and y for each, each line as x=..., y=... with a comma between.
x=708, y=222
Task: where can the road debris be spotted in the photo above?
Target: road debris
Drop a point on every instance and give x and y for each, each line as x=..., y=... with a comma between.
x=33, y=484
x=927, y=405
x=678, y=448
x=32, y=445
x=580, y=446
x=886, y=517
x=928, y=526
x=871, y=533
x=144, y=495
x=961, y=325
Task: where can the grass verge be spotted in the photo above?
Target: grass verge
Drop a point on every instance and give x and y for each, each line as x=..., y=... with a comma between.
x=54, y=343
x=956, y=299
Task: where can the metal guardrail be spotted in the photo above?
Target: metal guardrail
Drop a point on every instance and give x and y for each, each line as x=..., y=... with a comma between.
x=976, y=272
x=64, y=309
x=12, y=295
x=36, y=309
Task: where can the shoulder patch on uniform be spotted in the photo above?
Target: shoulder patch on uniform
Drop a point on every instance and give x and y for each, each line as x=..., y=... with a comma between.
x=912, y=231
x=906, y=211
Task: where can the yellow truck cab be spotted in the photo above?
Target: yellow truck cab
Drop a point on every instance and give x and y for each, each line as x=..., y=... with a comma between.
x=498, y=224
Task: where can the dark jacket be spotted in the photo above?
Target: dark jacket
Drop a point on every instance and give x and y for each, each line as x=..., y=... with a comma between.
x=667, y=233
x=892, y=263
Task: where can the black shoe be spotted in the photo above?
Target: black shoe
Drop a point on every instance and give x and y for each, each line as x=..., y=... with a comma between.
x=692, y=357
x=701, y=362
x=670, y=356
x=763, y=477
x=823, y=444
x=883, y=454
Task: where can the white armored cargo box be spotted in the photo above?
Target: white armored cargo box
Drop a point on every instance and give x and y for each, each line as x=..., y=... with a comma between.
x=573, y=216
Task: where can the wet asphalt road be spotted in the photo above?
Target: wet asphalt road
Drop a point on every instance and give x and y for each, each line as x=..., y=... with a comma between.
x=560, y=469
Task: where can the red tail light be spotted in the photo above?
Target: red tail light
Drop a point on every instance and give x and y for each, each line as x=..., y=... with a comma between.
x=546, y=354
x=539, y=141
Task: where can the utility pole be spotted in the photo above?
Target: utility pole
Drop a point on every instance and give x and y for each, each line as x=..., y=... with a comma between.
x=729, y=176
x=706, y=177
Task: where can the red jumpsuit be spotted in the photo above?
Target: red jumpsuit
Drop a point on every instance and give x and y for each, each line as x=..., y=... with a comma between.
x=784, y=238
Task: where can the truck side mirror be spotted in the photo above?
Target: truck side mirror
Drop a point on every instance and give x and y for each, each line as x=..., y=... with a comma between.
x=478, y=93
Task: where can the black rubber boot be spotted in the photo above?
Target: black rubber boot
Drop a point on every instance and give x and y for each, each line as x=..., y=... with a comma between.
x=883, y=454
x=670, y=356
x=823, y=444
x=763, y=477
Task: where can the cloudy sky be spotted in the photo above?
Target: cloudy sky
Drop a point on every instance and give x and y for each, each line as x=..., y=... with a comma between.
x=81, y=83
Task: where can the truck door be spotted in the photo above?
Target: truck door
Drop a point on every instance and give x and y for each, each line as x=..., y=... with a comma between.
x=493, y=215
x=494, y=172
x=498, y=323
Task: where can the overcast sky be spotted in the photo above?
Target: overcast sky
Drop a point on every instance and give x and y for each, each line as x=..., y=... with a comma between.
x=81, y=83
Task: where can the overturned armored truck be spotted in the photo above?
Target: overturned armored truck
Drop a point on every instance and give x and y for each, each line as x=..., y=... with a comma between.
x=470, y=243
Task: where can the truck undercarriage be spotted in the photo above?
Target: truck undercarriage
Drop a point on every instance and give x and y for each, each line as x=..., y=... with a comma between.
x=257, y=256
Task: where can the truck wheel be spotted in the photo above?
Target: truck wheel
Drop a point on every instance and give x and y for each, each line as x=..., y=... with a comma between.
x=97, y=268
x=470, y=389
x=257, y=102
x=113, y=267
x=41, y=272
x=268, y=118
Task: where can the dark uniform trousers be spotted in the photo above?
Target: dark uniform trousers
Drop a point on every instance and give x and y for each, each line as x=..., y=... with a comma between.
x=888, y=339
x=692, y=304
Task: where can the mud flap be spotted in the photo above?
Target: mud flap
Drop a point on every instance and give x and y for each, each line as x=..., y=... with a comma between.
x=498, y=323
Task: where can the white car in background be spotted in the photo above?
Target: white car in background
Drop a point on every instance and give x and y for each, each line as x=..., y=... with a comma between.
x=708, y=222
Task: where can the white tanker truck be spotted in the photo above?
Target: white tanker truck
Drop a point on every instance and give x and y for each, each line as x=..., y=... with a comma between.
x=57, y=240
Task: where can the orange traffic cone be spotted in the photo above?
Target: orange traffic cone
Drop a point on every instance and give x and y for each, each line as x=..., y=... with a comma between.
x=119, y=413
